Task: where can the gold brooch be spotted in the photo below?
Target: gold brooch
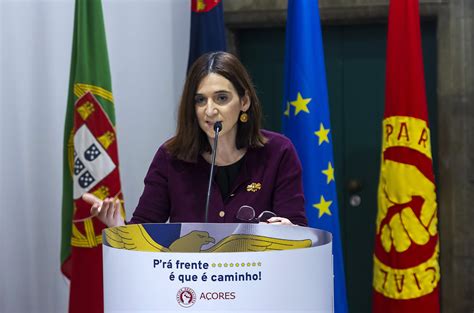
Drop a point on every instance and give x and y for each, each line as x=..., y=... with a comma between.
x=253, y=187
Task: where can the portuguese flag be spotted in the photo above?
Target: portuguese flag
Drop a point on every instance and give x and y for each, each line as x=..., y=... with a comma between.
x=90, y=157
x=406, y=269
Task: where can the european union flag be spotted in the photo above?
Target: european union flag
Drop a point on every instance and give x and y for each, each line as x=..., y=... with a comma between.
x=306, y=122
x=207, y=28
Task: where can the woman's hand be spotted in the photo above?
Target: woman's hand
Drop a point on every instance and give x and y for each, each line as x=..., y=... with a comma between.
x=276, y=220
x=107, y=211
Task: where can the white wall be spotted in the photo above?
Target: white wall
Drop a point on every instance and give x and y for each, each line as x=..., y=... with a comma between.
x=148, y=47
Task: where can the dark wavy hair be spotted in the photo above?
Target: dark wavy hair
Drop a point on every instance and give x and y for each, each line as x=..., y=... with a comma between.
x=190, y=140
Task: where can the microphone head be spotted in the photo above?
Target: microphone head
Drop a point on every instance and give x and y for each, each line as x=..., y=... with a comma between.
x=218, y=126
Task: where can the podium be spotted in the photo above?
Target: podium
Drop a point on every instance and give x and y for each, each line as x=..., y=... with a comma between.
x=192, y=267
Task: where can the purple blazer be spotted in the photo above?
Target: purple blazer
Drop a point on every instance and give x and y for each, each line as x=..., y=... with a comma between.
x=270, y=179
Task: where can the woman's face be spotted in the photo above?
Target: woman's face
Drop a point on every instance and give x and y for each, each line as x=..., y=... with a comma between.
x=217, y=100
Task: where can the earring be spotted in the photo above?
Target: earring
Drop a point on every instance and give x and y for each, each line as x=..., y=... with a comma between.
x=244, y=117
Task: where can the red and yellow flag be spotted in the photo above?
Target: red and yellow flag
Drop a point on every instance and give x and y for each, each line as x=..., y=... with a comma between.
x=90, y=157
x=406, y=270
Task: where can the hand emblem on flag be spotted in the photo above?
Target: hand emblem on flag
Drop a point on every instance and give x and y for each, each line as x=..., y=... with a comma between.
x=407, y=207
x=406, y=271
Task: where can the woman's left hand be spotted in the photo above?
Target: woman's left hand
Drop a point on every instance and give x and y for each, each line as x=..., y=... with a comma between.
x=276, y=220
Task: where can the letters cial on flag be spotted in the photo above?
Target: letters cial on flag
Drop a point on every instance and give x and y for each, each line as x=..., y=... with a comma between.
x=406, y=247
x=306, y=121
x=406, y=271
x=91, y=161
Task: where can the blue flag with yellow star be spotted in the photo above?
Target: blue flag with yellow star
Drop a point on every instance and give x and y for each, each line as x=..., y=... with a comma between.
x=306, y=122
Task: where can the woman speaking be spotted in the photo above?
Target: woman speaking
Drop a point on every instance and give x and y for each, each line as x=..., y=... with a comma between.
x=255, y=169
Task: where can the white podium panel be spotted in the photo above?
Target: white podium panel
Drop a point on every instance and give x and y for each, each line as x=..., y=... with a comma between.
x=217, y=268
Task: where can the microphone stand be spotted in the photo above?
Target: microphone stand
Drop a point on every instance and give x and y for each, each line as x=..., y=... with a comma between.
x=217, y=129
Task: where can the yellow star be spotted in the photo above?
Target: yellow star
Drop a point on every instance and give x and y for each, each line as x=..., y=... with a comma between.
x=323, y=207
x=200, y=6
x=329, y=173
x=287, y=111
x=300, y=104
x=322, y=134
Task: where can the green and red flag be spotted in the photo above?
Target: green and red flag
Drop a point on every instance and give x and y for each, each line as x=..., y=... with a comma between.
x=90, y=157
x=406, y=269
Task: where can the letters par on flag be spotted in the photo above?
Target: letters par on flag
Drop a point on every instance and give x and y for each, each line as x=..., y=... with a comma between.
x=406, y=270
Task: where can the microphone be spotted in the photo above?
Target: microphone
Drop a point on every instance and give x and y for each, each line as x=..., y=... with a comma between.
x=217, y=129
